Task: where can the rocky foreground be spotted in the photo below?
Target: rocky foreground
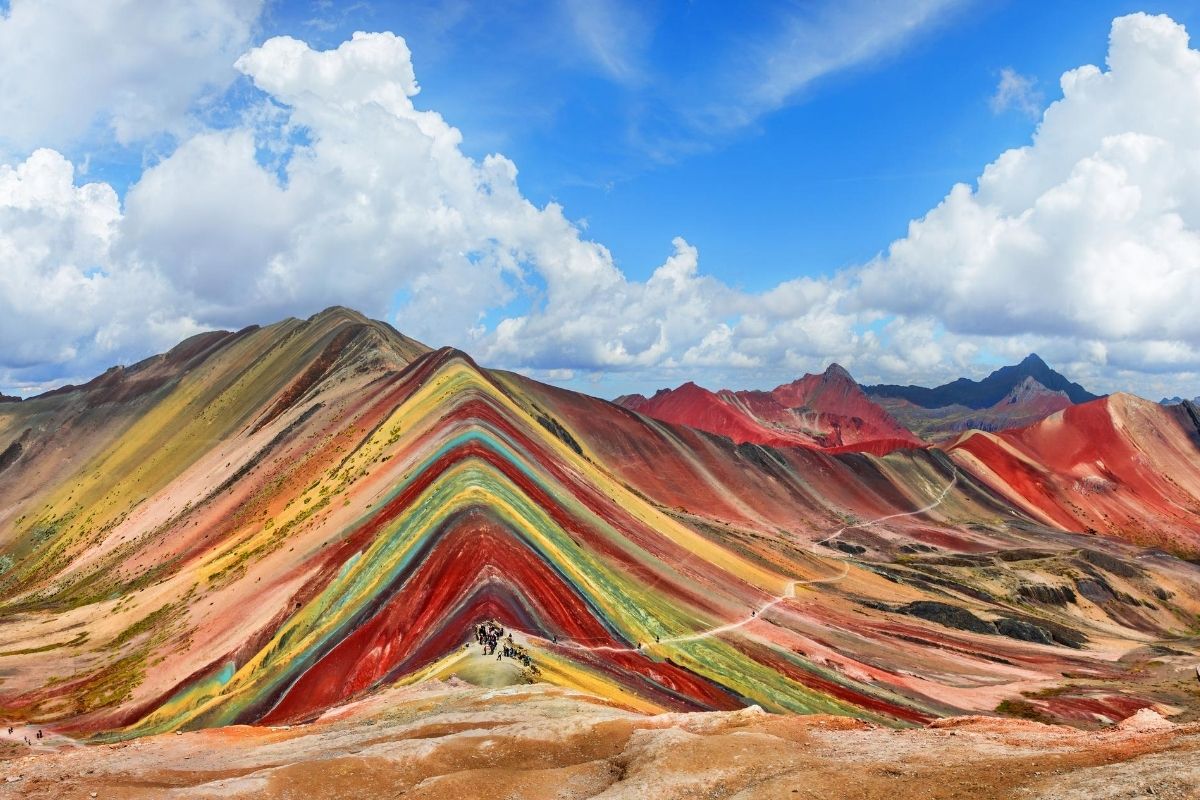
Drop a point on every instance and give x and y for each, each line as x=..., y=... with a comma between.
x=449, y=739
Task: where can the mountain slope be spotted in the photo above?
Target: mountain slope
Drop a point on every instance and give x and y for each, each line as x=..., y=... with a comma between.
x=1120, y=465
x=827, y=411
x=987, y=392
x=291, y=517
x=709, y=411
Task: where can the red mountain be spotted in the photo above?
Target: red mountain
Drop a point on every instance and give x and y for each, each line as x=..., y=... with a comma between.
x=1119, y=465
x=827, y=411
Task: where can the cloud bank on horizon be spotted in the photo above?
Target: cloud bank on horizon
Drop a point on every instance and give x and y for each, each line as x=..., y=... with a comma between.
x=330, y=185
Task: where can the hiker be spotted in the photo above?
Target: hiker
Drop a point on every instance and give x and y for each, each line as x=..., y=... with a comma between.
x=39, y=733
x=656, y=640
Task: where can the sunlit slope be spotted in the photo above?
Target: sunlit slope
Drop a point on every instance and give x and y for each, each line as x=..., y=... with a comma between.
x=291, y=516
x=236, y=385
x=1120, y=466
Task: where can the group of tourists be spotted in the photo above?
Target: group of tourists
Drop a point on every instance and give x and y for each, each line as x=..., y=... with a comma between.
x=26, y=738
x=488, y=634
x=515, y=651
x=491, y=636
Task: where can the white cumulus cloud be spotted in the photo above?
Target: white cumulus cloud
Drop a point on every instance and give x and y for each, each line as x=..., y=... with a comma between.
x=63, y=300
x=1091, y=232
x=133, y=67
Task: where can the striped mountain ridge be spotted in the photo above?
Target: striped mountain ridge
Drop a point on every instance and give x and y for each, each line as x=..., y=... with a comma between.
x=259, y=526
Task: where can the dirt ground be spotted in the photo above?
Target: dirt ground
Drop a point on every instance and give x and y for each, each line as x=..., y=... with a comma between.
x=453, y=741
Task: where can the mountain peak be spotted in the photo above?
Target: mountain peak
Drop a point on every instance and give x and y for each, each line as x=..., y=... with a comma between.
x=838, y=372
x=339, y=312
x=1030, y=390
x=1033, y=361
x=988, y=391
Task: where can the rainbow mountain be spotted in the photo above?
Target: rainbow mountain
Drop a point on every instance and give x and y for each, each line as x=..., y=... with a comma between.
x=259, y=526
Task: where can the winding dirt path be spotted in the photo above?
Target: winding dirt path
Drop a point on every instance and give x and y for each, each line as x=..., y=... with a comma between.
x=770, y=604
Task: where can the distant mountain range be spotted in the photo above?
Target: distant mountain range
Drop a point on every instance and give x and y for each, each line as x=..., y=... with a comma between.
x=826, y=411
x=987, y=392
x=1177, y=400
x=830, y=411
x=1010, y=397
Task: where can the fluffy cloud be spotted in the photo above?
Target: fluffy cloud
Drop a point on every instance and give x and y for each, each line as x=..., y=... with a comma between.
x=135, y=66
x=1091, y=232
x=62, y=299
x=381, y=200
x=339, y=188
x=609, y=322
x=377, y=201
x=54, y=240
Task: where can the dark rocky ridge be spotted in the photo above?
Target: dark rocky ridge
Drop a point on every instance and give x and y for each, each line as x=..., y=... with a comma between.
x=961, y=619
x=987, y=392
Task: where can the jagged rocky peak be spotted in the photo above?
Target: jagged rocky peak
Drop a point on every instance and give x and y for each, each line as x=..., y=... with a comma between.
x=1030, y=388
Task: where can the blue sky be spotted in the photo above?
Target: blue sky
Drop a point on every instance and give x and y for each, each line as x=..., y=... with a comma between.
x=824, y=182
x=790, y=141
